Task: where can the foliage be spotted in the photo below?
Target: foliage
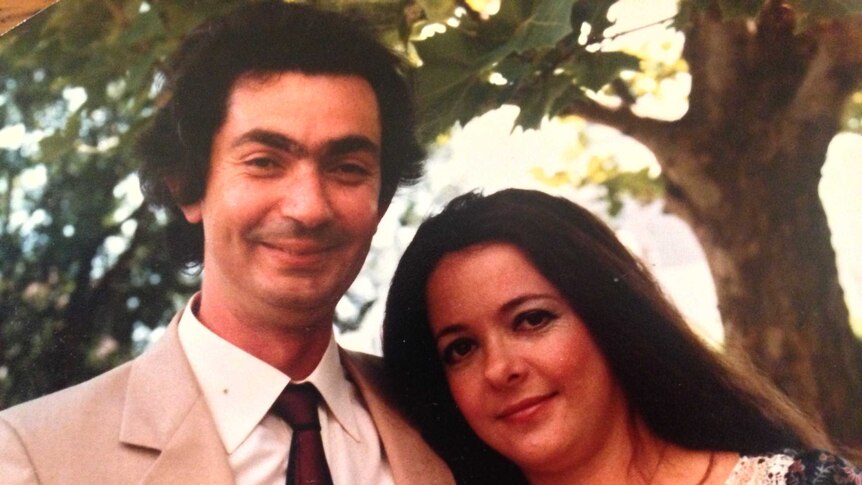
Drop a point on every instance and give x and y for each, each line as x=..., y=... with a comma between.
x=545, y=56
x=81, y=262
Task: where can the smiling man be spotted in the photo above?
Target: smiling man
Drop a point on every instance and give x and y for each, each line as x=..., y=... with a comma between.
x=286, y=135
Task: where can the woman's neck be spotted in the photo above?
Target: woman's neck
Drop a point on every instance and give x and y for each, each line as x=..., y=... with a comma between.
x=632, y=454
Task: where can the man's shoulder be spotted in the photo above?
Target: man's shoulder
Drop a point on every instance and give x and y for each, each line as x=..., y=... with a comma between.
x=365, y=369
x=366, y=361
x=92, y=400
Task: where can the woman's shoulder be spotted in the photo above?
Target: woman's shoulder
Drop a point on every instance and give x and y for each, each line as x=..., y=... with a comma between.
x=795, y=467
x=818, y=466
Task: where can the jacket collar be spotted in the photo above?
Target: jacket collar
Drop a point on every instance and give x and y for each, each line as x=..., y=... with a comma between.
x=166, y=411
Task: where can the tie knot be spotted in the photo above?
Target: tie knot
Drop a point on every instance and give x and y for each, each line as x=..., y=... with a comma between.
x=297, y=404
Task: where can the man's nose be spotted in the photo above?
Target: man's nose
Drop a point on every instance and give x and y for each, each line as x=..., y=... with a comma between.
x=306, y=199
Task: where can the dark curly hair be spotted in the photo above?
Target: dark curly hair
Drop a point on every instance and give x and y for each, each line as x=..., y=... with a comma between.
x=259, y=39
x=685, y=393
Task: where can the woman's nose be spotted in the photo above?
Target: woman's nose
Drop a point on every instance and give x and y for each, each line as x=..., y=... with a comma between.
x=504, y=366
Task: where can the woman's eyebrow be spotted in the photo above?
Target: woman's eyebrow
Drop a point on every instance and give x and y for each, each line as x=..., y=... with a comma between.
x=448, y=330
x=521, y=299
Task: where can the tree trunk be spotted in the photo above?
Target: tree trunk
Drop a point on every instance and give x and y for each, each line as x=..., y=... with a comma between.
x=768, y=246
x=743, y=168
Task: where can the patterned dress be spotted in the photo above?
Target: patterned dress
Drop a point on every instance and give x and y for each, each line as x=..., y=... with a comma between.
x=812, y=467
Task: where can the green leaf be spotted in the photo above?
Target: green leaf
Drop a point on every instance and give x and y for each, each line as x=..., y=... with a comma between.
x=456, y=62
x=453, y=64
x=539, y=101
x=574, y=94
x=594, y=71
x=546, y=25
x=147, y=28
x=514, y=68
x=592, y=12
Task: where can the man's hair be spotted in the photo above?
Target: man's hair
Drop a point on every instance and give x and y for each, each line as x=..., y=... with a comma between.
x=258, y=40
x=685, y=393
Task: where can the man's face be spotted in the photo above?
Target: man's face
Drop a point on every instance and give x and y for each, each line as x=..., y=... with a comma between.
x=291, y=200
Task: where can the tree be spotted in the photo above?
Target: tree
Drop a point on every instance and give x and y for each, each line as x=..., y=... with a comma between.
x=82, y=268
x=770, y=81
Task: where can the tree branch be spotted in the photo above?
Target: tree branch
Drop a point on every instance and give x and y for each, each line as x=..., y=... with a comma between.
x=833, y=75
x=651, y=132
x=716, y=53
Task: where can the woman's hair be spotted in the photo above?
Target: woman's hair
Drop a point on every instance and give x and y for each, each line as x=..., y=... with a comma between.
x=684, y=392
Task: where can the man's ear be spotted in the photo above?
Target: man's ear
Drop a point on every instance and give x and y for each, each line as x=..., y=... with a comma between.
x=192, y=212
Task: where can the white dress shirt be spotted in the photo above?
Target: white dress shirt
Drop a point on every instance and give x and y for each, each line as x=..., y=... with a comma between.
x=240, y=390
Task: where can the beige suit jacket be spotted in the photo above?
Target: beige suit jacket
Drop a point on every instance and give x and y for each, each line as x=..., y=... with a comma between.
x=147, y=422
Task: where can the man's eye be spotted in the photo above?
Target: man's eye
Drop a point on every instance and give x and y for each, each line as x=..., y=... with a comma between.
x=352, y=168
x=261, y=162
x=457, y=350
x=534, y=318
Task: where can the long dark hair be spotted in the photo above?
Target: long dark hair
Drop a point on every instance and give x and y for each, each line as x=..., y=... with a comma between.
x=685, y=393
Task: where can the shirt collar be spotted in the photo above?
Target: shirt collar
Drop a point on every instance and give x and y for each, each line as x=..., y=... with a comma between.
x=331, y=381
x=240, y=388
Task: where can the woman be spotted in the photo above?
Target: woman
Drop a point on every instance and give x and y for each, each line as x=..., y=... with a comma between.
x=529, y=346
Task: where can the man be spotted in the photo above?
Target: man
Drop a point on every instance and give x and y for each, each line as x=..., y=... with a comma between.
x=286, y=135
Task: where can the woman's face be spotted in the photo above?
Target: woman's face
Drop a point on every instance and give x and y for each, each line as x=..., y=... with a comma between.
x=521, y=364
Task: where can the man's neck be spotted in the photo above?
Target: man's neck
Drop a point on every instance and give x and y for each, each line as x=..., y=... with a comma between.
x=293, y=344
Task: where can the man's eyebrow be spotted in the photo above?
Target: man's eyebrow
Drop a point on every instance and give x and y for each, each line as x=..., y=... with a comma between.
x=350, y=144
x=338, y=146
x=272, y=139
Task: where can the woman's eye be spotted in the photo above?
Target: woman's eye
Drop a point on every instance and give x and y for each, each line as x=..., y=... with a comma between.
x=534, y=318
x=457, y=350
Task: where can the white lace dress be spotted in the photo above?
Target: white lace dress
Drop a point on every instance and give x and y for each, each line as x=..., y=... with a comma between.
x=792, y=467
x=760, y=470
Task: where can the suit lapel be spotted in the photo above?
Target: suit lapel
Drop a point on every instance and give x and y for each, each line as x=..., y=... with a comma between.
x=166, y=411
x=412, y=461
x=194, y=453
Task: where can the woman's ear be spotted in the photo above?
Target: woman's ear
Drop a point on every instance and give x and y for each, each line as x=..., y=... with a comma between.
x=192, y=212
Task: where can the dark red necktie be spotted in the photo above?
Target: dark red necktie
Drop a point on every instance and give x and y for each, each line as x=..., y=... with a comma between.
x=306, y=465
